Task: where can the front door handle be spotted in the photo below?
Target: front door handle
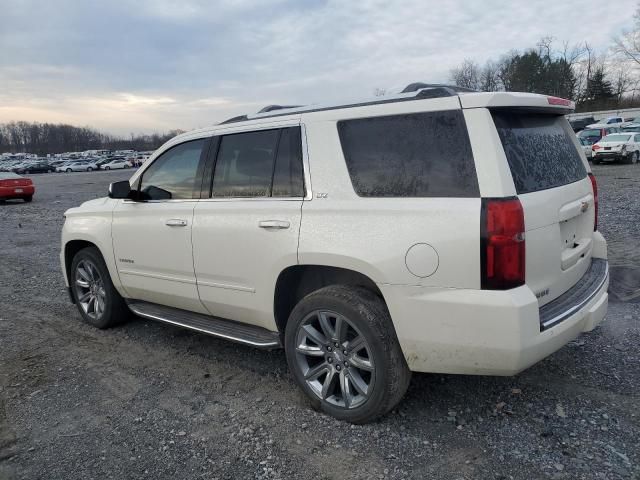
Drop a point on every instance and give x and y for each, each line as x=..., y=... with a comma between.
x=274, y=224
x=176, y=222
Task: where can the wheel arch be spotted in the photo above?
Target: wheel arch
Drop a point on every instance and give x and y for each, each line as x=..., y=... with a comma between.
x=297, y=281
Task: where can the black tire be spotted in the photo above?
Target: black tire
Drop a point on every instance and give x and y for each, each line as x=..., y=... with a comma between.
x=107, y=168
x=369, y=315
x=89, y=169
x=68, y=170
x=28, y=199
x=115, y=308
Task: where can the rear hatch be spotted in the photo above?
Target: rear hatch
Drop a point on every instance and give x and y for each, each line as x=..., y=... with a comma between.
x=555, y=191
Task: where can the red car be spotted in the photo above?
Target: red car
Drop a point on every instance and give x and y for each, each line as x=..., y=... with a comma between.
x=13, y=185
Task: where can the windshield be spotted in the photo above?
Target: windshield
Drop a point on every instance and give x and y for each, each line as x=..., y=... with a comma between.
x=616, y=138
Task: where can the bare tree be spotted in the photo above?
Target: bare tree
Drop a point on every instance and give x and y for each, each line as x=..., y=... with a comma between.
x=628, y=44
x=466, y=75
x=489, y=77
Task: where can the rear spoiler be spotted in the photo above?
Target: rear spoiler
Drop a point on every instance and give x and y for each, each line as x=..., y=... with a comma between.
x=528, y=101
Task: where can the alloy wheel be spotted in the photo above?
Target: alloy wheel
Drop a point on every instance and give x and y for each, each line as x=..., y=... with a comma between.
x=335, y=359
x=89, y=287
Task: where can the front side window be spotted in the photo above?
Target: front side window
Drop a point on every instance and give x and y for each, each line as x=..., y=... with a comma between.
x=412, y=155
x=172, y=176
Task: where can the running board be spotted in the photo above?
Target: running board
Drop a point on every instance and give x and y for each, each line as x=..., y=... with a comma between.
x=218, y=327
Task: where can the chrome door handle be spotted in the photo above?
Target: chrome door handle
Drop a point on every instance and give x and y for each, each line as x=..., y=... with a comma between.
x=274, y=224
x=176, y=222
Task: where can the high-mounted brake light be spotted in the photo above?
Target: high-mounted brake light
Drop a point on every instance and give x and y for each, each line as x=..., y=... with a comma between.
x=502, y=244
x=594, y=186
x=559, y=101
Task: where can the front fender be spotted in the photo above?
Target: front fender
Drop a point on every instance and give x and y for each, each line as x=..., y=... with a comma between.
x=93, y=228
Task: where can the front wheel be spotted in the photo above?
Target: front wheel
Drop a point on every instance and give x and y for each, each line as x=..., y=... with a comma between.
x=98, y=301
x=89, y=169
x=68, y=170
x=343, y=352
x=107, y=168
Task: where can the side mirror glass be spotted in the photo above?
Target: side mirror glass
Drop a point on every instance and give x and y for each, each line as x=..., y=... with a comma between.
x=120, y=190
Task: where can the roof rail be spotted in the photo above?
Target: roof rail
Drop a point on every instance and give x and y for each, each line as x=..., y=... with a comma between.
x=414, y=87
x=413, y=91
x=239, y=118
x=271, y=108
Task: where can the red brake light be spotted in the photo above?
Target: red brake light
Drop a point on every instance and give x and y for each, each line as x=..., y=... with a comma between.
x=502, y=244
x=594, y=186
x=559, y=101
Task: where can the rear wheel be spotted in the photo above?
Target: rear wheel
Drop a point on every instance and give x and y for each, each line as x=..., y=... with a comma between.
x=344, y=354
x=68, y=170
x=107, y=167
x=98, y=301
x=89, y=169
x=28, y=199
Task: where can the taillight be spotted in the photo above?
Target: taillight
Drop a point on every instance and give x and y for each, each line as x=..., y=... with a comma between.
x=559, y=101
x=502, y=243
x=594, y=186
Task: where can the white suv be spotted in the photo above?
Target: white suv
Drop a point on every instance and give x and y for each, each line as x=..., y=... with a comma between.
x=433, y=231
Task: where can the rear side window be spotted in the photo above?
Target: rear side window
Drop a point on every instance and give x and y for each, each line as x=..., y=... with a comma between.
x=245, y=164
x=288, y=180
x=260, y=164
x=412, y=155
x=539, y=149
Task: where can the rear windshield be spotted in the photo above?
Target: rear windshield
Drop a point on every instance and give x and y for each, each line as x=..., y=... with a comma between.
x=412, y=155
x=616, y=138
x=539, y=149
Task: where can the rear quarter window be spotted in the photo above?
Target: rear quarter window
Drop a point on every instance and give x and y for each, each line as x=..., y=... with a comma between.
x=411, y=155
x=539, y=149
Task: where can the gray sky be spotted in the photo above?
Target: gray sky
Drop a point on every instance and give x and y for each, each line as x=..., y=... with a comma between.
x=153, y=65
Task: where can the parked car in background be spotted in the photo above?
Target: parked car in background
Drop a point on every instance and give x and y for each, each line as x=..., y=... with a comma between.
x=595, y=134
x=77, y=166
x=581, y=123
x=37, y=167
x=631, y=127
x=586, y=147
x=13, y=185
x=624, y=147
x=116, y=164
x=607, y=121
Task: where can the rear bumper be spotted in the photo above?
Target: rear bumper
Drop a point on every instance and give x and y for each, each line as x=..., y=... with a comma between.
x=10, y=192
x=480, y=331
x=604, y=157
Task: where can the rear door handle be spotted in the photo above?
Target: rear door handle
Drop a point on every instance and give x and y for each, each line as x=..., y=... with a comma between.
x=274, y=224
x=176, y=222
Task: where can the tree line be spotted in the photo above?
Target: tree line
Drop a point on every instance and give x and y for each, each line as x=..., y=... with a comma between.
x=595, y=81
x=44, y=138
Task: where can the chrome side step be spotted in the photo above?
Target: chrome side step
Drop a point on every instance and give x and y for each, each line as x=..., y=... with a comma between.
x=218, y=327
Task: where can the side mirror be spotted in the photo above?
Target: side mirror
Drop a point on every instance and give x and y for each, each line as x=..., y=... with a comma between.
x=120, y=190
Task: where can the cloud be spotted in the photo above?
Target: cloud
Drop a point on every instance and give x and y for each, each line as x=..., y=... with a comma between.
x=144, y=65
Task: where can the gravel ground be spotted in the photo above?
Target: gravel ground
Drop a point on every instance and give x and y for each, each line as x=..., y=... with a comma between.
x=147, y=400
